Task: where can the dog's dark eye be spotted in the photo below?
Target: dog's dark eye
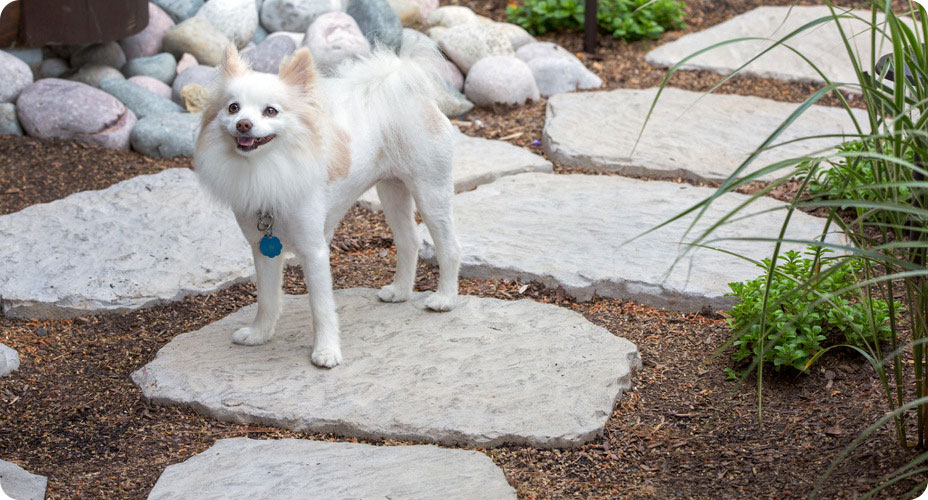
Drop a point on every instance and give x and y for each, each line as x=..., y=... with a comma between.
x=233, y=108
x=270, y=111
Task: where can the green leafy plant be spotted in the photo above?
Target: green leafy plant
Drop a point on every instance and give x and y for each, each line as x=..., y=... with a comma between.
x=801, y=322
x=626, y=19
x=887, y=229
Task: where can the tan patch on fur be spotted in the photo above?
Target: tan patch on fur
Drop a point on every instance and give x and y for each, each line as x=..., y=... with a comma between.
x=435, y=121
x=341, y=156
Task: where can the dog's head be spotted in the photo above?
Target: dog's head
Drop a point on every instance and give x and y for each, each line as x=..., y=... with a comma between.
x=257, y=110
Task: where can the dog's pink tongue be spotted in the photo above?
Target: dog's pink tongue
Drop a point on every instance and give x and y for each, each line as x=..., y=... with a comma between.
x=246, y=142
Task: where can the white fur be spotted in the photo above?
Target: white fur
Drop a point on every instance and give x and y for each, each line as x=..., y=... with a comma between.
x=384, y=103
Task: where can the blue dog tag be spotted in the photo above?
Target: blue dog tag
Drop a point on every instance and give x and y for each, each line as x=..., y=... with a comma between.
x=270, y=246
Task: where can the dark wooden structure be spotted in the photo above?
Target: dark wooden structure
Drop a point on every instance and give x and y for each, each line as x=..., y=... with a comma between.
x=590, y=27
x=33, y=23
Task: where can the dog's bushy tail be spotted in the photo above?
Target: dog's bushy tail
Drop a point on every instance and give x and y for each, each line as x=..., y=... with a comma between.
x=395, y=77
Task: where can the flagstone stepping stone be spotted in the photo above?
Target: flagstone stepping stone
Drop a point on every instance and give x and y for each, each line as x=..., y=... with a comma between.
x=9, y=360
x=709, y=140
x=144, y=241
x=21, y=485
x=569, y=231
x=487, y=373
x=478, y=161
x=822, y=45
x=294, y=468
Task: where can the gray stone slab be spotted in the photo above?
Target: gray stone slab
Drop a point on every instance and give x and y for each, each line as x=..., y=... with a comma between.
x=9, y=360
x=487, y=373
x=293, y=468
x=704, y=140
x=478, y=161
x=143, y=241
x=19, y=484
x=569, y=230
x=822, y=45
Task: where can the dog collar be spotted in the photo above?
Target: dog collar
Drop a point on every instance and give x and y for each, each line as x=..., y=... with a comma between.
x=269, y=245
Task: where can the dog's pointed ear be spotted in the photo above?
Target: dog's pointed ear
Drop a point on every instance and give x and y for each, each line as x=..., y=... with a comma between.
x=232, y=64
x=298, y=70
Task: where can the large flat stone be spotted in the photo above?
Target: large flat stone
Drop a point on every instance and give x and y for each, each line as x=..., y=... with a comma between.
x=487, y=373
x=293, y=468
x=706, y=142
x=569, y=230
x=822, y=45
x=478, y=161
x=18, y=484
x=147, y=240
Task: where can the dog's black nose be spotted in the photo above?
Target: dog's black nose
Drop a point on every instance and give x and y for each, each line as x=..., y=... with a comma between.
x=243, y=126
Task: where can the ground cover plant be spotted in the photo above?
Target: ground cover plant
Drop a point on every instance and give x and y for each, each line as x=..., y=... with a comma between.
x=624, y=19
x=879, y=179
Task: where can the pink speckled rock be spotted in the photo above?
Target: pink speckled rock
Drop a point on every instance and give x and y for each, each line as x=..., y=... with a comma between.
x=152, y=84
x=62, y=109
x=186, y=61
x=147, y=42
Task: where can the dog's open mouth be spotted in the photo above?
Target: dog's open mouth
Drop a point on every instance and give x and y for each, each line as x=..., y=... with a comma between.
x=252, y=143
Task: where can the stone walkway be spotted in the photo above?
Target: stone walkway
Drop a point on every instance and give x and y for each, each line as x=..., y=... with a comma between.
x=144, y=241
x=689, y=135
x=293, y=468
x=571, y=231
x=487, y=373
x=18, y=484
x=822, y=45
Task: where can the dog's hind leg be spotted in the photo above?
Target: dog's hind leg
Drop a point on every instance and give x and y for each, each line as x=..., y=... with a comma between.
x=433, y=199
x=398, y=210
x=269, y=282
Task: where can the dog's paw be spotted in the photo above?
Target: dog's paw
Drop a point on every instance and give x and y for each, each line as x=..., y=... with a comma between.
x=327, y=357
x=391, y=293
x=439, y=302
x=250, y=335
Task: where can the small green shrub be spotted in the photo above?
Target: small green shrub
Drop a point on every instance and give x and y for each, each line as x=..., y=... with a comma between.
x=852, y=178
x=627, y=19
x=795, y=329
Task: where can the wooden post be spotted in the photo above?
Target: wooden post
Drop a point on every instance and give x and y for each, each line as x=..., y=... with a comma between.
x=590, y=27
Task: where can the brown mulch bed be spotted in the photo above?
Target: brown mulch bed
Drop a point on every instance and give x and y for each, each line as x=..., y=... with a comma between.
x=71, y=412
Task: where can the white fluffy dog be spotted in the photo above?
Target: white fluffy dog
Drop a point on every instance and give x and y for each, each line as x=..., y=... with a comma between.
x=290, y=153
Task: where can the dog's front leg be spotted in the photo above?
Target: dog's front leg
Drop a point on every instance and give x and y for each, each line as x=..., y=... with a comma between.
x=269, y=281
x=326, y=348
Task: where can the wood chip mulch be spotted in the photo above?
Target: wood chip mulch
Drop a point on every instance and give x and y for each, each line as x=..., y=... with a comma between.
x=71, y=412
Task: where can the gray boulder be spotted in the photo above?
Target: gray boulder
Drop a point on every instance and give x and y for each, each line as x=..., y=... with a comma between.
x=141, y=101
x=466, y=44
x=236, y=19
x=198, y=37
x=500, y=80
x=556, y=75
x=161, y=67
x=534, y=50
x=104, y=54
x=516, y=34
x=452, y=102
x=267, y=55
x=377, y=21
x=32, y=56
x=180, y=10
x=295, y=15
x=157, y=86
x=93, y=74
x=333, y=38
x=260, y=34
x=166, y=135
x=9, y=124
x=147, y=42
x=448, y=16
x=15, y=75
x=62, y=109
x=205, y=76
x=9, y=361
x=53, y=67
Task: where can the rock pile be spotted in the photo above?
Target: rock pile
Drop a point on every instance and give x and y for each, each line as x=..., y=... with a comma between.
x=119, y=94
